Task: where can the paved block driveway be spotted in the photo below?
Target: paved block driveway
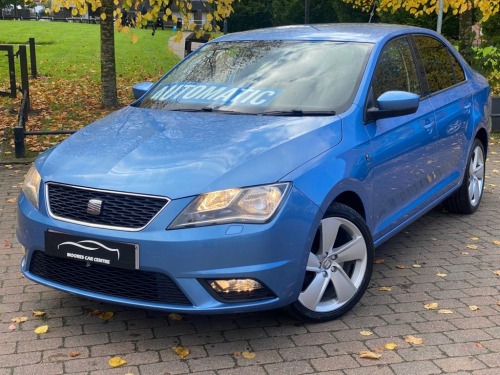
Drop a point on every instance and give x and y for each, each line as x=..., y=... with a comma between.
x=460, y=248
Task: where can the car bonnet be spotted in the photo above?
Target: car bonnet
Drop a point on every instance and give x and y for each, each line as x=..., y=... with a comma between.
x=179, y=154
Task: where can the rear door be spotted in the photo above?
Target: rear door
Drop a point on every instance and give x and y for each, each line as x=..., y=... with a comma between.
x=451, y=97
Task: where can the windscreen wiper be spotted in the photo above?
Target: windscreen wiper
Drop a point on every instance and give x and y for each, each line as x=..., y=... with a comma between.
x=298, y=112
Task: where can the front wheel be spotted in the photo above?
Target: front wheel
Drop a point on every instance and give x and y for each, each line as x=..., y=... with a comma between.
x=339, y=266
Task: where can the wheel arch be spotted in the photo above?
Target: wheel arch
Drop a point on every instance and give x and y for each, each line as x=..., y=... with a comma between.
x=352, y=200
x=482, y=135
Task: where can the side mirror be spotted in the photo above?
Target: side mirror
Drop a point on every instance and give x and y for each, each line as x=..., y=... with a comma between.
x=141, y=88
x=392, y=104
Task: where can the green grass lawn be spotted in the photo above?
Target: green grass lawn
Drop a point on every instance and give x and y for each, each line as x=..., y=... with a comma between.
x=70, y=50
x=67, y=93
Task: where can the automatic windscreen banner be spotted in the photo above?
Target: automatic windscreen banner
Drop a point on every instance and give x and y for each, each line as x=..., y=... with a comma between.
x=215, y=94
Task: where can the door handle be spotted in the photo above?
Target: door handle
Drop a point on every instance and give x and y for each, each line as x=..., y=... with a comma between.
x=429, y=124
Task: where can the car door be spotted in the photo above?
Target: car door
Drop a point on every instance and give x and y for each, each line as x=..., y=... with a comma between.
x=402, y=147
x=451, y=97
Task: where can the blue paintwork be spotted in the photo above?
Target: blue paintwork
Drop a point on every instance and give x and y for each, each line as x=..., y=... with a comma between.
x=398, y=167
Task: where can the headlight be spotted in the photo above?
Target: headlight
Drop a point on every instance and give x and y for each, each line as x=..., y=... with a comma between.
x=31, y=186
x=241, y=205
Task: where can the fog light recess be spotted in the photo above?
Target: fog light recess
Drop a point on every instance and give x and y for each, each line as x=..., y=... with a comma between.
x=238, y=290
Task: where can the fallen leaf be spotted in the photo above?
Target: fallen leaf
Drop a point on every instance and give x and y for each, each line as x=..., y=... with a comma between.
x=431, y=306
x=441, y=274
x=444, y=311
x=41, y=330
x=181, y=352
x=247, y=355
x=94, y=312
x=369, y=355
x=19, y=319
x=12, y=200
x=12, y=327
x=379, y=260
x=174, y=316
x=498, y=303
x=74, y=354
x=433, y=239
x=384, y=289
x=390, y=346
x=479, y=345
x=237, y=354
x=116, y=362
x=417, y=266
x=414, y=340
x=400, y=267
x=366, y=333
x=379, y=349
x=38, y=313
x=474, y=238
x=496, y=242
x=474, y=308
x=464, y=253
x=6, y=243
x=472, y=247
x=106, y=315
x=497, y=272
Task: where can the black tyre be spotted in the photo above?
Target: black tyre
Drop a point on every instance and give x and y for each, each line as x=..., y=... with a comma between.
x=339, y=267
x=467, y=198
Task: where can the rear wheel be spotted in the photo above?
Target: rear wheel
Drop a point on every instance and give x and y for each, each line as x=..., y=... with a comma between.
x=467, y=198
x=339, y=266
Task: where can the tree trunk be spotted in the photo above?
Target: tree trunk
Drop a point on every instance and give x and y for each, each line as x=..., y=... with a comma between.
x=108, y=67
x=465, y=34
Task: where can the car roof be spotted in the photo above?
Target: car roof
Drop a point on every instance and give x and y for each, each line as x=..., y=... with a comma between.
x=355, y=32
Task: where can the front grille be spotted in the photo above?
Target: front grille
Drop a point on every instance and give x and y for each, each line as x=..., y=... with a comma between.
x=119, y=210
x=131, y=284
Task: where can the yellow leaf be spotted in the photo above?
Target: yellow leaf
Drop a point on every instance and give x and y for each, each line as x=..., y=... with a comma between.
x=247, y=355
x=38, y=313
x=103, y=16
x=74, y=354
x=441, y=274
x=366, y=333
x=464, y=253
x=237, y=354
x=474, y=238
x=106, y=315
x=414, y=340
x=42, y=329
x=496, y=242
x=444, y=311
x=181, y=352
x=174, y=316
x=474, y=308
x=431, y=306
x=400, y=267
x=390, y=346
x=369, y=355
x=379, y=260
x=74, y=12
x=12, y=200
x=209, y=17
x=19, y=319
x=472, y=247
x=497, y=272
x=116, y=362
x=417, y=266
x=479, y=345
x=384, y=289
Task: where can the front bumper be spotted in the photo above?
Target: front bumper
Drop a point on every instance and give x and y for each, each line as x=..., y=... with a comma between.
x=274, y=254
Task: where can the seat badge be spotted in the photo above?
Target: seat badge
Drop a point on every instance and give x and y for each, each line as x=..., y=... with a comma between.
x=94, y=207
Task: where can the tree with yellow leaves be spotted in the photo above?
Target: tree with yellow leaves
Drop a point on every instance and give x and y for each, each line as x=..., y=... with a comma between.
x=464, y=8
x=146, y=10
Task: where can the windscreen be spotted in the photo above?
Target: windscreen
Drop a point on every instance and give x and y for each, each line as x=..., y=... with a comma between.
x=264, y=77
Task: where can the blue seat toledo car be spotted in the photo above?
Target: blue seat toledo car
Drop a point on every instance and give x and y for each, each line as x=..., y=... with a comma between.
x=260, y=172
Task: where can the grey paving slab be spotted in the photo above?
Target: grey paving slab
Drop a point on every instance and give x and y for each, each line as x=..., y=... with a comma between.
x=463, y=342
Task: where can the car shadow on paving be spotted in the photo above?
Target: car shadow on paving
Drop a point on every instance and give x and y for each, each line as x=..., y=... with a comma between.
x=443, y=258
